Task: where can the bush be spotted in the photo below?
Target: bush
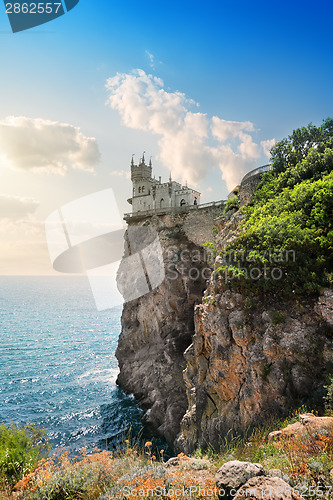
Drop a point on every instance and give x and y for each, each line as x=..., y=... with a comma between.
x=231, y=204
x=289, y=224
x=21, y=447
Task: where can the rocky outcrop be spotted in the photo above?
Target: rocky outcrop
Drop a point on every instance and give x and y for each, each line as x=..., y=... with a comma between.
x=324, y=307
x=308, y=425
x=203, y=360
x=249, y=360
x=232, y=475
x=267, y=488
x=237, y=480
x=158, y=327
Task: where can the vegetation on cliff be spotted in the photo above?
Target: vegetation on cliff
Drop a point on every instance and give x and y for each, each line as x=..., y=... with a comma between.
x=286, y=242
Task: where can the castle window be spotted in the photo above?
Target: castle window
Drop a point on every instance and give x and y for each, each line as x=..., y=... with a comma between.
x=183, y=202
x=195, y=201
x=139, y=190
x=143, y=188
x=162, y=203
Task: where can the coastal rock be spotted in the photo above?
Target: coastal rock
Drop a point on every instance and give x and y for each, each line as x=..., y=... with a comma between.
x=267, y=488
x=158, y=327
x=248, y=361
x=204, y=361
x=308, y=424
x=232, y=475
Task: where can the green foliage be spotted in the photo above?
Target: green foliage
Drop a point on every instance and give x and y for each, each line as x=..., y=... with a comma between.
x=231, y=204
x=289, y=225
x=210, y=245
x=21, y=447
x=291, y=151
x=278, y=317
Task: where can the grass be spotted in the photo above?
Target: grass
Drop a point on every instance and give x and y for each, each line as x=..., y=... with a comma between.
x=135, y=472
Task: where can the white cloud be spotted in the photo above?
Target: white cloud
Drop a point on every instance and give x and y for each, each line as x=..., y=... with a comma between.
x=16, y=208
x=224, y=129
x=45, y=146
x=267, y=145
x=151, y=59
x=190, y=142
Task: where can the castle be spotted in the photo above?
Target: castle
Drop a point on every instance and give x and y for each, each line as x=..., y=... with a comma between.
x=150, y=194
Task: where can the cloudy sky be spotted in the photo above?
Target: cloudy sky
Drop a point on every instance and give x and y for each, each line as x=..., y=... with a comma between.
x=205, y=88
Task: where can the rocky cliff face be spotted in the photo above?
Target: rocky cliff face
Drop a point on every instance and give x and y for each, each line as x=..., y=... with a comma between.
x=251, y=358
x=158, y=327
x=249, y=361
x=203, y=361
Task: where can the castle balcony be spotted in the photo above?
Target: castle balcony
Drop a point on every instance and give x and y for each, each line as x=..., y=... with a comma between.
x=173, y=210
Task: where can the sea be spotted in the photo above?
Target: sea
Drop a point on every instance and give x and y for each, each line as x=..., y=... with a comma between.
x=57, y=363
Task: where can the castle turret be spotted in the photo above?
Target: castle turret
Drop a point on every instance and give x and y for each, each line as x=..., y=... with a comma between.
x=142, y=171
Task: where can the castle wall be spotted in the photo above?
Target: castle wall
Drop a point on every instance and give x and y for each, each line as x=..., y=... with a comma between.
x=165, y=197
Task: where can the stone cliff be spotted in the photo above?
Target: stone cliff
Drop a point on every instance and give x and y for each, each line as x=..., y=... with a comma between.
x=158, y=327
x=203, y=360
x=250, y=361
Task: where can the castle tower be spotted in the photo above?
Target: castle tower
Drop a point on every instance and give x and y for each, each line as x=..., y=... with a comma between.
x=142, y=171
x=141, y=176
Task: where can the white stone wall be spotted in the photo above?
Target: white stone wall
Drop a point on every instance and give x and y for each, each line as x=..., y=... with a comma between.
x=143, y=199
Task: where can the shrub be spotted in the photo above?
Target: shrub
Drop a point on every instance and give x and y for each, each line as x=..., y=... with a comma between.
x=21, y=447
x=231, y=204
x=289, y=224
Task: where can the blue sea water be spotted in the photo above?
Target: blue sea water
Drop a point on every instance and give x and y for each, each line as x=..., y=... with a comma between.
x=57, y=362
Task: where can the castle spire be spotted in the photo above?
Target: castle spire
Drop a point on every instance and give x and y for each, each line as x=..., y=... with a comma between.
x=170, y=180
x=150, y=163
x=143, y=158
x=132, y=162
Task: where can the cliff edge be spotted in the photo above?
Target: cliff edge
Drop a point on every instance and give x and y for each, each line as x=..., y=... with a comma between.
x=158, y=327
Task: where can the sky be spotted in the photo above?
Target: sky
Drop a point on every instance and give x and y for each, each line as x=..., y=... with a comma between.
x=205, y=88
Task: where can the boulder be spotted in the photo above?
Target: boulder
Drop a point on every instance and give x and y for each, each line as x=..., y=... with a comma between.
x=267, y=488
x=308, y=424
x=280, y=474
x=232, y=475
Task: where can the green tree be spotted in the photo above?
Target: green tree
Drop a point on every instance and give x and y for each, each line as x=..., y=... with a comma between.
x=289, y=224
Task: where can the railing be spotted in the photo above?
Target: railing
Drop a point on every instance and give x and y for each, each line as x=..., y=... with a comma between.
x=173, y=210
x=256, y=171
